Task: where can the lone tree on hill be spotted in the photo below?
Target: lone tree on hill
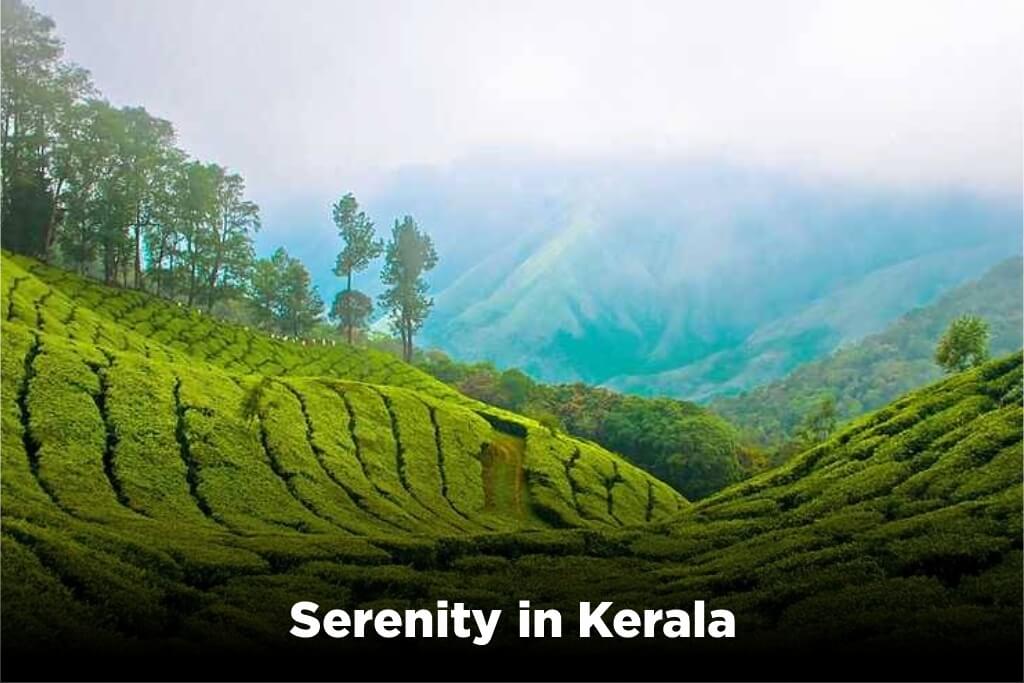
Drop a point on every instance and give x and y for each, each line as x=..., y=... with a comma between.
x=964, y=345
x=352, y=308
x=409, y=255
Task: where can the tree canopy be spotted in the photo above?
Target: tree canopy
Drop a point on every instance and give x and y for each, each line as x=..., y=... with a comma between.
x=285, y=299
x=963, y=345
x=409, y=255
x=352, y=308
x=104, y=190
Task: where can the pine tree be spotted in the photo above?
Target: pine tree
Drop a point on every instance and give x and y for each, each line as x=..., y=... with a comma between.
x=361, y=247
x=409, y=255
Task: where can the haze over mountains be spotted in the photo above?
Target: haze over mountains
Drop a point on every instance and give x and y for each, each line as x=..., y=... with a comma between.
x=881, y=367
x=690, y=279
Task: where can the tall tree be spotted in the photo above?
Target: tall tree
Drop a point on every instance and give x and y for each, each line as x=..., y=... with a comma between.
x=197, y=212
x=146, y=148
x=91, y=157
x=409, y=255
x=230, y=250
x=162, y=234
x=38, y=92
x=361, y=247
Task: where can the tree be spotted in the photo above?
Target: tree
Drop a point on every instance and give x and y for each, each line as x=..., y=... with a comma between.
x=284, y=296
x=820, y=422
x=197, y=211
x=103, y=189
x=692, y=450
x=145, y=149
x=964, y=344
x=230, y=252
x=361, y=247
x=351, y=310
x=37, y=93
x=409, y=255
x=515, y=388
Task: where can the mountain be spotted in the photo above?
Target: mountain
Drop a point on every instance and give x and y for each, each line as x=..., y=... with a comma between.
x=172, y=485
x=871, y=372
x=686, y=279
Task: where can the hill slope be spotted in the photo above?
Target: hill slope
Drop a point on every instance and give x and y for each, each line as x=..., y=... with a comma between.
x=130, y=406
x=158, y=509
x=877, y=369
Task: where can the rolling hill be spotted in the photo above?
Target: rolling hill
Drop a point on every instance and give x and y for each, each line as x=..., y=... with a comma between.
x=873, y=371
x=347, y=439
x=173, y=484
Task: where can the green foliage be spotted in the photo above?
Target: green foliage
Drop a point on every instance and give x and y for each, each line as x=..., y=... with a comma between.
x=178, y=478
x=104, y=190
x=352, y=308
x=284, y=296
x=876, y=370
x=964, y=344
x=679, y=442
x=357, y=234
x=39, y=93
x=819, y=423
x=409, y=255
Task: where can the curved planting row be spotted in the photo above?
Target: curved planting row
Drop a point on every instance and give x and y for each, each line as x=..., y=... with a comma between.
x=122, y=426
x=135, y=321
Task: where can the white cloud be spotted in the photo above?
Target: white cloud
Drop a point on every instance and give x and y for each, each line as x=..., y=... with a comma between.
x=318, y=96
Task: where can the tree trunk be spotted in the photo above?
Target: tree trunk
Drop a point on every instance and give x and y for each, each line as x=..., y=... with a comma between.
x=138, y=249
x=50, y=229
x=191, y=272
x=349, y=302
x=407, y=340
x=109, y=272
x=160, y=267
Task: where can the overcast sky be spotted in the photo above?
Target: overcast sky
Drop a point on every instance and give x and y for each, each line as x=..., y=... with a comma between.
x=309, y=96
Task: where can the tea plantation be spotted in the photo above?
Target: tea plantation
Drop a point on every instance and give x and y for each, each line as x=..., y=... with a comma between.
x=172, y=484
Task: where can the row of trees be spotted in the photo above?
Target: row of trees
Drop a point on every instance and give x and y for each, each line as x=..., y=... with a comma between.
x=407, y=257
x=106, y=192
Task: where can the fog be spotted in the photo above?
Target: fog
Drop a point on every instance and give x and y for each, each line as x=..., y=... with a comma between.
x=311, y=99
x=318, y=96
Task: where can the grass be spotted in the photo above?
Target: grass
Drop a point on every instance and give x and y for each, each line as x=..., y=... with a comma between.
x=173, y=481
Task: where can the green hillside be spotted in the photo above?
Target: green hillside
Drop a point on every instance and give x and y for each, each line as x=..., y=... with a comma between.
x=870, y=373
x=133, y=407
x=172, y=484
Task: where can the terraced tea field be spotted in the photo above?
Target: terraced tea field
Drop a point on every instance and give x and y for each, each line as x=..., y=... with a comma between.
x=172, y=484
x=133, y=408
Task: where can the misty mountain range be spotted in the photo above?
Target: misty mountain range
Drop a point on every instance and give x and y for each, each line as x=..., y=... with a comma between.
x=683, y=279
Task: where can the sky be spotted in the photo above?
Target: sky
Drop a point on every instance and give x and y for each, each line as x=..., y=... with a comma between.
x=309, y=99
